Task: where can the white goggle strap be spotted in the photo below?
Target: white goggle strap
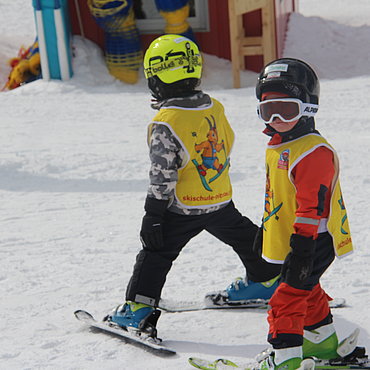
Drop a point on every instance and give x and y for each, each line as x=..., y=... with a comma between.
x=308, y=109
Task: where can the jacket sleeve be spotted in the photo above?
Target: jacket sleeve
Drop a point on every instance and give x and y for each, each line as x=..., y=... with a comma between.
x=313, y=177
x=166, y=155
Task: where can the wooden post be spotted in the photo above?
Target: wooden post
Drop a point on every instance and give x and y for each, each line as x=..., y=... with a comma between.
x=268, y=32
x=234, y=24
x=242, y=45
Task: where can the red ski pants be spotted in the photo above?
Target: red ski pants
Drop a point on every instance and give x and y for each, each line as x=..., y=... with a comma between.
x=292, y=309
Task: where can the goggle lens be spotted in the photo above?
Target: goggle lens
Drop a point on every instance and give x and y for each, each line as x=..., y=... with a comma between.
x=287, y=109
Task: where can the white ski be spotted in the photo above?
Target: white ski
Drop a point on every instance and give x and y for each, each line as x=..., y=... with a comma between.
x=169, y=305
x=132, y=337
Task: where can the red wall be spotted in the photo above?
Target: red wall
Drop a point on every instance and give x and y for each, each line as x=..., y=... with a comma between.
x=215, y=42
x=90, y=29
x=283, y=8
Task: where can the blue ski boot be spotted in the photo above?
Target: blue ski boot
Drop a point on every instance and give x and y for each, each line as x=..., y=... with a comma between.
x=138, y=317
x=244, y=293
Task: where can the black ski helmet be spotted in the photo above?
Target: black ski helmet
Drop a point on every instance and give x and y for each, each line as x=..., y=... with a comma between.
x=290, y=76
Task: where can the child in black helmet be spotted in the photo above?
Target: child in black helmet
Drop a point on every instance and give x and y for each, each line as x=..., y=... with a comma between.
x=305, y=221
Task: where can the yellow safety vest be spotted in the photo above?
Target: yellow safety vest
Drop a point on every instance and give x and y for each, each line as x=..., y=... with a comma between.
x=280, y=199
x=207, y=139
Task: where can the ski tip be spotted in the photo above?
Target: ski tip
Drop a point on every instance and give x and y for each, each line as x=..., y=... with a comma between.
x=221, y=363
x=83, y=315
x=200, y=363
x=337, y=303
x=166, y=351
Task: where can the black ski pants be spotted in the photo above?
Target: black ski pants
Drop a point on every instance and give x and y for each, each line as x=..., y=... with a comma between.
x=226, y=224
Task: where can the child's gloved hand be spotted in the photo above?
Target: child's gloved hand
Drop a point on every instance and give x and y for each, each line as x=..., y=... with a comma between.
x=298, y=263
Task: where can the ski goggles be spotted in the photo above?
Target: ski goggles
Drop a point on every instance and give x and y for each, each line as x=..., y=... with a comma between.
x=287, y=109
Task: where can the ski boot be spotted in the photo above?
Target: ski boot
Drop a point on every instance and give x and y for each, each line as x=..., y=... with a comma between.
x=244, y=292
x=135, y=317
x=347, y=354
x=201, y=170
x=287, y=359
x=322, y=343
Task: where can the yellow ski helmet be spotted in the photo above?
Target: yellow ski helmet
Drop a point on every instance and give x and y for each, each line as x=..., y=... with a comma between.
x=172, y=58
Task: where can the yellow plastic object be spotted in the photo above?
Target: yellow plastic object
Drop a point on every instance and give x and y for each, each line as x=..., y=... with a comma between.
x=176, y=21
x=172, y=58
x=123, y=53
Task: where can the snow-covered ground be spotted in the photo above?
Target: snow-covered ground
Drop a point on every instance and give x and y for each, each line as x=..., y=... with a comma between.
x=73, y=178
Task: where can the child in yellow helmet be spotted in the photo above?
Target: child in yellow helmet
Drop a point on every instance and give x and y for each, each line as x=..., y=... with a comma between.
x=190, y=140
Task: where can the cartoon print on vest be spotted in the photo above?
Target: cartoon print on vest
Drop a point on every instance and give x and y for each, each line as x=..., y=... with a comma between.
x=344, y=218
x=269, y=200
x=208, y=150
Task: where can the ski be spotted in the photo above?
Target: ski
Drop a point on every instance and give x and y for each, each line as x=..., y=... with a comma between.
x=225, y=364
x=136, y=338
x=185, y=306
x=350, y=357
x=202, y=178
x=221, y=363
x=272, y=213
